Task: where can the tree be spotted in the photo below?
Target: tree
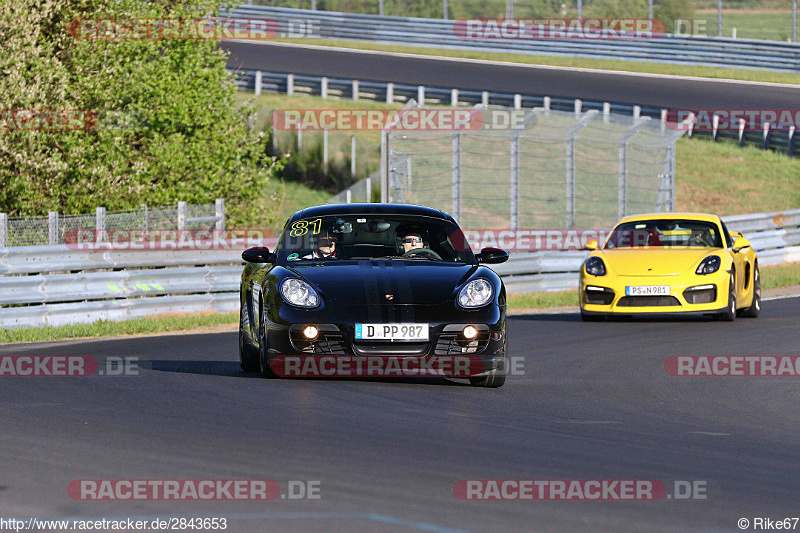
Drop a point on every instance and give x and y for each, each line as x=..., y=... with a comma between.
x=161, y=122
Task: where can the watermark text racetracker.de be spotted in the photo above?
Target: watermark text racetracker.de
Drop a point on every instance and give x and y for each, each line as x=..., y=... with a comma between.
x=67, y=366
x=563, y=28
x=139, y=239
x=240, y=239
x=339, y=366
x=579, y=489
x=192, y=490
x=70, y=120
x=182, y=29
x=530, y=240
x=709, y=120
x=415, y=119
x=733, y=365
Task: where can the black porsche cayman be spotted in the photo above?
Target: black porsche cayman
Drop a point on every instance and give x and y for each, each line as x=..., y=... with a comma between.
x=356, y=288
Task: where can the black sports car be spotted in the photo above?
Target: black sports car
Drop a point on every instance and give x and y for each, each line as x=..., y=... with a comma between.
x=354, y=287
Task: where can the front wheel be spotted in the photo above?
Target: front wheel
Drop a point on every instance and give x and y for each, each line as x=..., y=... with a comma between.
x=248, y=355
x=755, y=307
x=494, y=379
x=729, y=315
x=263, y=362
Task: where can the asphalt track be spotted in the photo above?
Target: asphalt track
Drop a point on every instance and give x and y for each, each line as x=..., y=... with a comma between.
x=594, y=403
x=567, y=83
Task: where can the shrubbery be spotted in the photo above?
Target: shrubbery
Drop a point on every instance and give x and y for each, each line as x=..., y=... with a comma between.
x=188, y=137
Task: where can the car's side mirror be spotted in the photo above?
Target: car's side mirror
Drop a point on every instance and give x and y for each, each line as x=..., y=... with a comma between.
x=591, y=244
x=492, y=256
x=740, y=243
x=259, y=254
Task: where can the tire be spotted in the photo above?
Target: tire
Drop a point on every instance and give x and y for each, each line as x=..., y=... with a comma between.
x=494, y=379
x=248, y=355
x=755, y=307
x=592, y=318
x=263, y=364
x=730, y=314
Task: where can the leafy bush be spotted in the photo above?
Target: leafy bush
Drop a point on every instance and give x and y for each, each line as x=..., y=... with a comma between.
x=187, y=137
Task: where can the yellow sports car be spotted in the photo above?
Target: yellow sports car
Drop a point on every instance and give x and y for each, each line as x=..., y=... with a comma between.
x=671, y=263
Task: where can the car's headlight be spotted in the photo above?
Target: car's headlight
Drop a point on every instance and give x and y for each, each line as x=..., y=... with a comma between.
x=595, y=266
x=709, y=265
x=476, y=293
x=297, y=292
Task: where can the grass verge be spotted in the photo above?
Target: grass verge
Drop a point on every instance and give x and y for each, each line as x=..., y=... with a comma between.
x=725, y=179
x=543, y=300
x=776, y=276
x=532, y=59
x=769, y=24
x=105, y=328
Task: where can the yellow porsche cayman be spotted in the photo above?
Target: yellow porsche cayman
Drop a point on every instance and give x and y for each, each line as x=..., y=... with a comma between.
x=671, y=263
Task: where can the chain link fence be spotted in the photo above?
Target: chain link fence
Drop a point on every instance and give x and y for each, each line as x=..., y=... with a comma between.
x=557, y=170
x=57, y=228
x=360, y=191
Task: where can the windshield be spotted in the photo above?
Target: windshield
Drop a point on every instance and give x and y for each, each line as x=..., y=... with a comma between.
x=664, y=234
x=394, y=237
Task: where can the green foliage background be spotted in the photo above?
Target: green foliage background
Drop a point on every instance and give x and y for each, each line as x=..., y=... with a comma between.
x=187, y=137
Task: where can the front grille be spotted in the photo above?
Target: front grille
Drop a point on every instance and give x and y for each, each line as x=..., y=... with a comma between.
x=593, y=296
x=648, y=301
x=390, y=348
x=451, y=344
x=693, y=295
x=330, y=340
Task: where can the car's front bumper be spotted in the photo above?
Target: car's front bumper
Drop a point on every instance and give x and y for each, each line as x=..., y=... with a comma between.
x=689, y=293
x=446, y=342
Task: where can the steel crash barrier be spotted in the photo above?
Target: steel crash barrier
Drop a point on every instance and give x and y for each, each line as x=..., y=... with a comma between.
x=766, y=137
x=56, y=285
x=665, y=48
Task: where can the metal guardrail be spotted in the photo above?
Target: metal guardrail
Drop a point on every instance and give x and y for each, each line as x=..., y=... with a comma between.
x=774, y=236
x=115, y=310
x=190, y=281
x=204, y=280
x=118, y=284
x=60, y=258
x=380, y=91
x=708, y=51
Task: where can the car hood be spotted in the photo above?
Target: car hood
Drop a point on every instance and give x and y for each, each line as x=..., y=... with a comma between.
x=368, y=282
x=650, y=262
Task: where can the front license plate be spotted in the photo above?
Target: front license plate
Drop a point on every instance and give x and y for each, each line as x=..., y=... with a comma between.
x=392, y=332
x=647, y=290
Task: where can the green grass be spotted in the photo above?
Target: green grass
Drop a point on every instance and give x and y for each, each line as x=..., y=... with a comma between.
x=628, y=66
x=725, y=179
x=780, y=276
x=285, y=198
x=773, y=25
x=543, y=299
x=106, y=328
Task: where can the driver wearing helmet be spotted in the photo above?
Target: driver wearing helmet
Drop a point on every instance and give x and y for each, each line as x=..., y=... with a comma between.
x=325, y=247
